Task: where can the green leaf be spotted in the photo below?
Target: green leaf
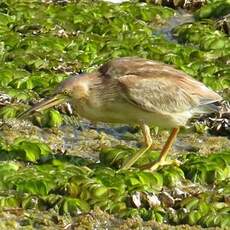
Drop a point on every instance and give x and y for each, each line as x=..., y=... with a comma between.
x=9, y=202
x=172, y=175
x=5, y=19
x=194, y=217
x=73, y=206
x=35, y=186
x=8, y=112
x=30, y=150
x=55, y=119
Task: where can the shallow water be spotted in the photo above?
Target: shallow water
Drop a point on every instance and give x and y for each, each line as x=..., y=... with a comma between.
x=181, y=17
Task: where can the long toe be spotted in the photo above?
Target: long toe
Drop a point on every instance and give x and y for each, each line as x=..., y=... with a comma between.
x=157, y=164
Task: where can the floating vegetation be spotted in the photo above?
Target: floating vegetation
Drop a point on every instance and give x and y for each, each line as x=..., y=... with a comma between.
x=41, y=43
x=43, y=181
x=217, y=8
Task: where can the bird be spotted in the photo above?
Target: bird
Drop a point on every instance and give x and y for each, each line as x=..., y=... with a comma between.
x=135, y=91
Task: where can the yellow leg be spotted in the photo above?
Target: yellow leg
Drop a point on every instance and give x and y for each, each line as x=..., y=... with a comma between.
x=148, y=142
x=165, y=150
x=147, y=135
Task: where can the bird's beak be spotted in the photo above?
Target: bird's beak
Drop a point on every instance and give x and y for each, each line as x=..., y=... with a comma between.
x=45, y=104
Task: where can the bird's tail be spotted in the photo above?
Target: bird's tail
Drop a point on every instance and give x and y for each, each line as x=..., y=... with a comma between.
x=213, y=107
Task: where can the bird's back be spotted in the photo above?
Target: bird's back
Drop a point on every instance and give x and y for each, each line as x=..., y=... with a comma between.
x=156, y=86
x=142, y=67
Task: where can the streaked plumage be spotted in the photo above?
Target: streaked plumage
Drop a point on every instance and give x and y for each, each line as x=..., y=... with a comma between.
x=136, y=91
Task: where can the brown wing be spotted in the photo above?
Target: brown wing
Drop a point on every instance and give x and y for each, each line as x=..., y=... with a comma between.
x=166, y=94
x=155, y=86
x=133, y=65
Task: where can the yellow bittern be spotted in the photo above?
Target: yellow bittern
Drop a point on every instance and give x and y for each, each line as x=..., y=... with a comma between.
x=134, y=90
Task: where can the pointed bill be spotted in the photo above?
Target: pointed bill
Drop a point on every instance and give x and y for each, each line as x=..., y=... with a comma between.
x=45, y=104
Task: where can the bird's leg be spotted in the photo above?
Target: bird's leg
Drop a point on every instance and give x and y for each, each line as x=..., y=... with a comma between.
x=168, y=144
x=148, y=142
x=164, y=151
x=147, y=135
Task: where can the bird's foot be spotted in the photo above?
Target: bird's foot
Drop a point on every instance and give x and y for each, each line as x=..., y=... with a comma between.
x=152, y=166
x=135, y=157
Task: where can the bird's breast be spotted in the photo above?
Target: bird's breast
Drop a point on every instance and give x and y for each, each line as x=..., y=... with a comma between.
x=122, y=112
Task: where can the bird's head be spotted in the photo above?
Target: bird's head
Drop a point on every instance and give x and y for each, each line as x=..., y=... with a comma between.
x=72, y=89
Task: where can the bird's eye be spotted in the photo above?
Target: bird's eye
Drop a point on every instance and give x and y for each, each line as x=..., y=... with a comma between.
x=65, y=92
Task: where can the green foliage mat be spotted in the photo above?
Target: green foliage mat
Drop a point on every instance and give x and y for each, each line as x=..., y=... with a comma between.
x=41, y=44
x=69, y=185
